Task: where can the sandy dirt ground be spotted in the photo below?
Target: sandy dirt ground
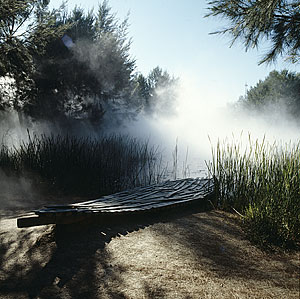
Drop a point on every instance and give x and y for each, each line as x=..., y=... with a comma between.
x=180, y=254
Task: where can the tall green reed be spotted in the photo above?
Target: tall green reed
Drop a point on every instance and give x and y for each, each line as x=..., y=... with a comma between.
x=85, y=165
x=261, y=181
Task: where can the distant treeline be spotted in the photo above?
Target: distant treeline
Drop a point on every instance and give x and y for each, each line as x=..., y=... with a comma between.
x=279, y=91
x=60, y=65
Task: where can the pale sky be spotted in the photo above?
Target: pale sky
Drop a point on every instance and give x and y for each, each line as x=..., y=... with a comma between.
x=174, y=35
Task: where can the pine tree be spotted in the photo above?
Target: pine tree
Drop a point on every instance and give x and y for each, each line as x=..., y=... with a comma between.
x=254, y=21
x=87, y=69
x=26, y=27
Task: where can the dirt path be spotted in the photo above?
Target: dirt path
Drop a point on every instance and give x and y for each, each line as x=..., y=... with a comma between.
x=200, y=255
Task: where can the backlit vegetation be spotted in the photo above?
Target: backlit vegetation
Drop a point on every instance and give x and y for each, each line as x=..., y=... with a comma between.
x=84, y=166
x=262, y=182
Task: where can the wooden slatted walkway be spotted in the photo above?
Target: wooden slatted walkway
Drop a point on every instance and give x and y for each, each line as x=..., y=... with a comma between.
x=142, y=199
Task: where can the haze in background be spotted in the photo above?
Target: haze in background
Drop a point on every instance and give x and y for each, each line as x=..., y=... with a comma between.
x=174, y=35
x=200, y=123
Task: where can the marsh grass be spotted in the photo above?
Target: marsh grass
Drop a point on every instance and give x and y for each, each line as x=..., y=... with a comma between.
x=262, y=182
x=85, y=166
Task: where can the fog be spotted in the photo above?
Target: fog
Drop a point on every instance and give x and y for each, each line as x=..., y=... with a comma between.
x=186, y=135
x=199, y=122
x=195, y=125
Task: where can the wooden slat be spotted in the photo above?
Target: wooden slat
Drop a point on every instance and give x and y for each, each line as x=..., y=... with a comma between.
x=168, y=194
x=34, y=221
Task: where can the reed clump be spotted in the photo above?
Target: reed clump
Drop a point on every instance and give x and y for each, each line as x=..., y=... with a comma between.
x=262, y=182
x=84, y=166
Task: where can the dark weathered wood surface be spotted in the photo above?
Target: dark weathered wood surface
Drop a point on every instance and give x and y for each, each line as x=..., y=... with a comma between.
x=167, y=194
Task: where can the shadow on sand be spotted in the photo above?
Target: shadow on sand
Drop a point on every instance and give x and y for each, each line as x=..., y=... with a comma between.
x=61, y=261
x=73, y=261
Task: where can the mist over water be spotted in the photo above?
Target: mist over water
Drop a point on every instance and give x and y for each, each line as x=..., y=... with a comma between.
x=187, y=134
x=199, y=122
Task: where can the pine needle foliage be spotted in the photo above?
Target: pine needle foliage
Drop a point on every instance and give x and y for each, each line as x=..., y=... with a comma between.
x=26, y=27
x=256, y=20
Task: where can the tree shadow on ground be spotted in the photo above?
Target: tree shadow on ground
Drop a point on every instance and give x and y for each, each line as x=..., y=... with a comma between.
x=216, y=241
x=70, y=261
x=72, y=255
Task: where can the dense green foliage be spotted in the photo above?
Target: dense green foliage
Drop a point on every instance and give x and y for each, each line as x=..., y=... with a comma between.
x=26, y=27
x=87, y=67
x=263, y=183
x=253, y=21
x=84, y=166
x=278, y=90
x=73, y=65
